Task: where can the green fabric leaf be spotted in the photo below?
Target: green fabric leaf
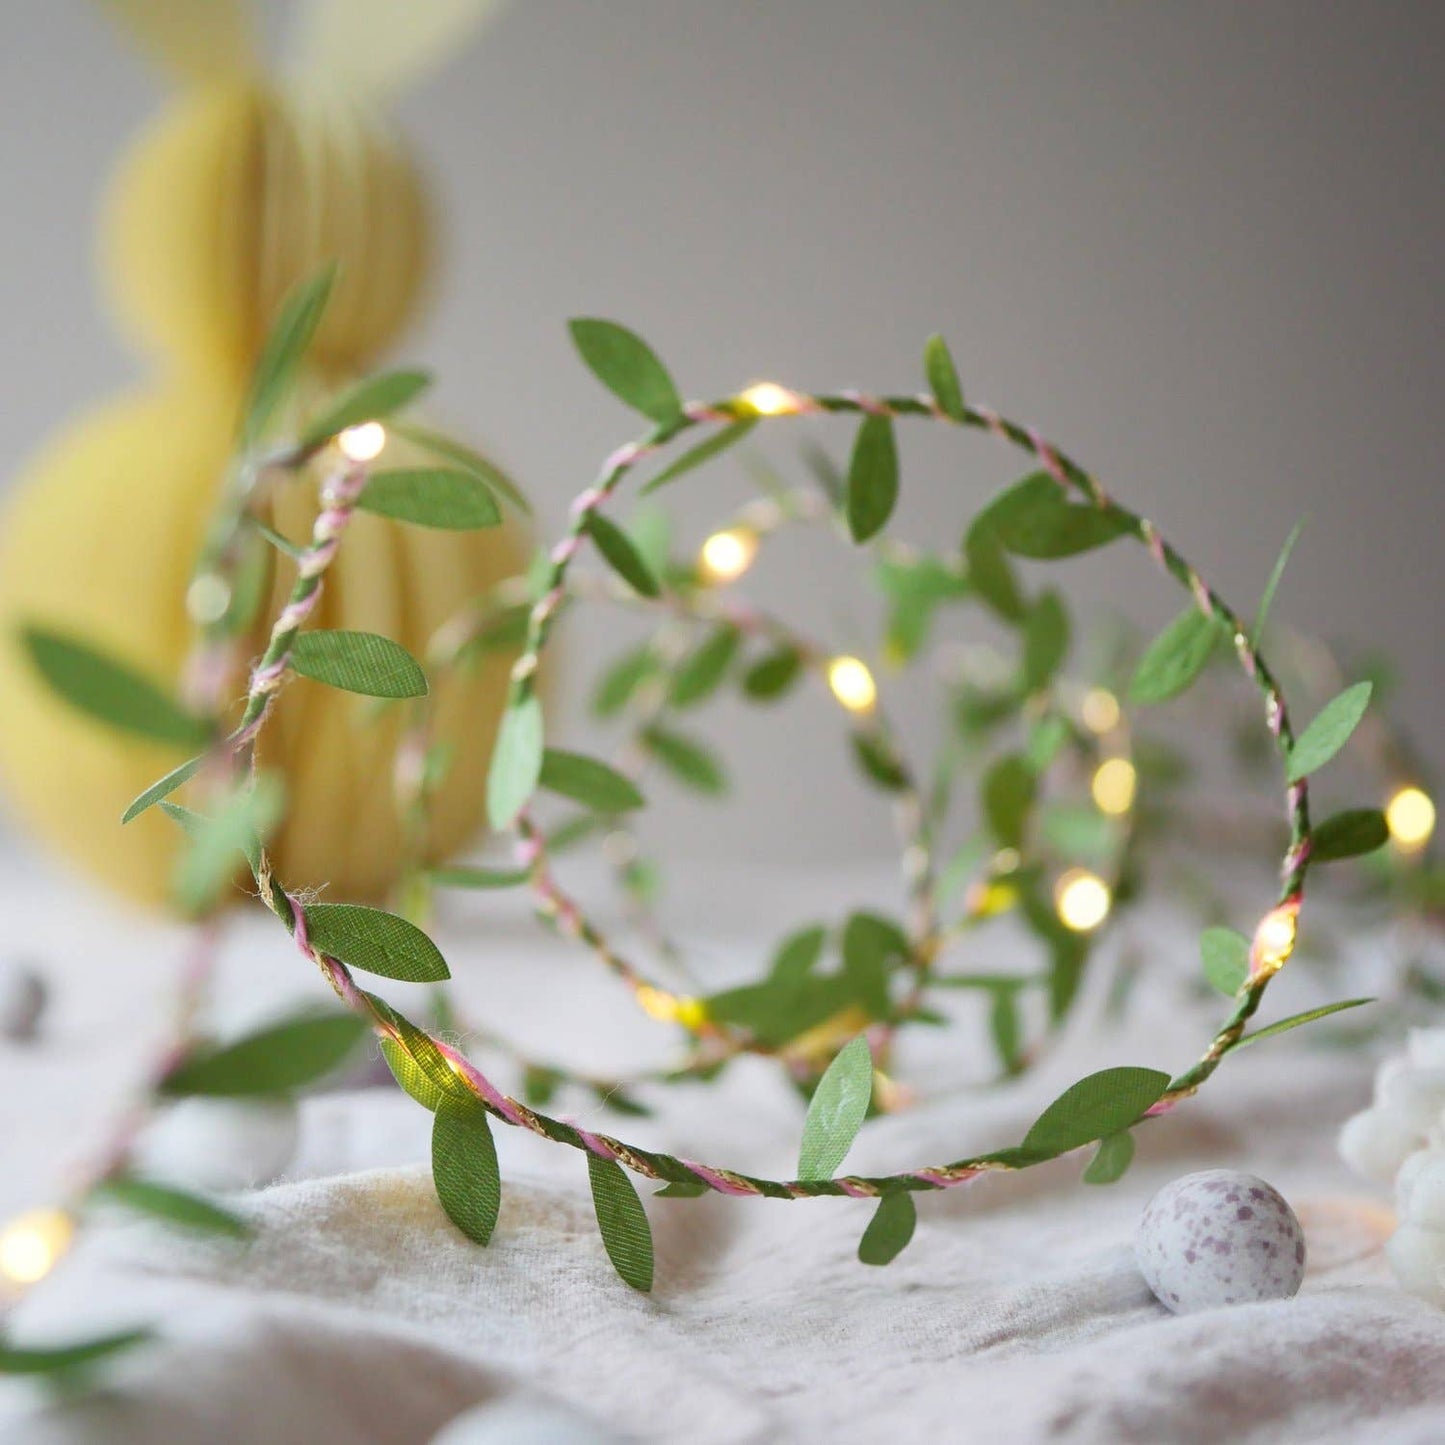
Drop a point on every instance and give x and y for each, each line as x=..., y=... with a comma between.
x=798, y=954
x=836, y=1111
x=1225, y=955
x=464, y=1168
x=431, y=497
x=699, y=674
x=1104, y=1103
x=1348, y=834
x=516, y=761
x=687, y=760
x=239, y=825
x=771, y=676
x=418, y=1064
x=1329, y=732
x=451, y=450
x=363, y=662
x=1004, y=1026
x=1111, y=1159
x=1034, y=518
x=1008, y=798
x=61, y=1359
x=281, y=353
x=681, y=1191
x=625, y=364
x=588, y=781
x=989, y=573
x=163, y=788
x=872, y=947
x=889, y=1230
x=715, y=445
x=878, y=764
x=1295, y=1020
x=1175, y=658
x=463, y=876
x=1272, y=586
x=371, y=399
x=872, y=478
x=623, y=677
x=622, y=556
x=175, y=1206
x=109, y=691
x=375, y=941
x=943, y=378
x=1046, y=641
x=273, y=1060
x=410, y=1076
x=626, y=1234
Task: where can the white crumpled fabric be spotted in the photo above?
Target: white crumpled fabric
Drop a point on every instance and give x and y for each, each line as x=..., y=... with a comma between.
x=359, y=1314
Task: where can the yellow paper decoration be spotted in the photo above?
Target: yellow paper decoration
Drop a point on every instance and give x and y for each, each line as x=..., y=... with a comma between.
x=239, y=190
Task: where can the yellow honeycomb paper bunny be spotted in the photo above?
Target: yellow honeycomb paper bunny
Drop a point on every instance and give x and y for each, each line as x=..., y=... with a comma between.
x=243, y=186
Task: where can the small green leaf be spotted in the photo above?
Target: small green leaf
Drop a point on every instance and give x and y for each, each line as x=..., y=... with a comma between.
x=836, y=1111
x=375, y=941
x=622, y=556
x=717, y=443
x=371, y=399
x=687, y=760
x=467, y=877
x=872, y=947
x=879, y=764
x=1046, y=641
x=678, y=1190
x=1348, y=834
x=1113, y=1156
x=588, y=781
x=283, y=545
x=175, y=1206
x=872, y=478
x=451, y=450
x=464, y=1168
x=1225, y=955
x=1033, y=518
x=1008, y=798
x=1175, y=658
x=616, y=686
x=431, y=497
x=626, y=1234
x=362, y=662
x=516, y=761
x=61, y=1359
x=273, y=1060
x=699, y=674
x=163, y=788
x=990, y=575
x=1004, y=1026
x=281, y=354
x=798, y=954
x=1272, y=586
x=1104, y=1103
x=1329, y=732
x=771, y=676
x=1307, y=1017
x=240, y=824
x=627, y=366
x=411, y=1076
x=889, y=1230
x=109, y=691
x=943, y=378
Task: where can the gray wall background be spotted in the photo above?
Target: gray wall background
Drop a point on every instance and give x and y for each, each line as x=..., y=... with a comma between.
x=1197, y=243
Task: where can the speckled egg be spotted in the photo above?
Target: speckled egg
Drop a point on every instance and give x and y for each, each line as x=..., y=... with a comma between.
x=1219, y=1237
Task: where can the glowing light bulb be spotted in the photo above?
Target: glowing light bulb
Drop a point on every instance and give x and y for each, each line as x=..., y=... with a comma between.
x=1273, y=941
x=852, y=684
x=31, y=1244
x=1113, y=786
x=657, y=1004
x=1410, y=817
x=1100, y=710
x=362, y=443
x=767, y=398
x=725, y=556
x=1082, y=899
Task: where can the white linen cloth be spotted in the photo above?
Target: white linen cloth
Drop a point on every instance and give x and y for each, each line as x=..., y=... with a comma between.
x=360, y=1314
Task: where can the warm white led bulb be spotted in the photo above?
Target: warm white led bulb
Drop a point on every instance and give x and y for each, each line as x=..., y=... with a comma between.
x=1100, y=710
x=725, y=556
x=1113, y=786
x=1082, y=899
x=767, y=398
x=1410, y=817
x=362, y=443
x=852, y=684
